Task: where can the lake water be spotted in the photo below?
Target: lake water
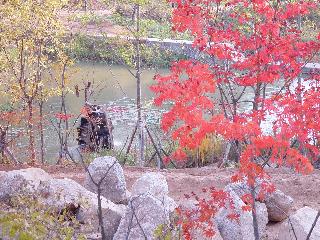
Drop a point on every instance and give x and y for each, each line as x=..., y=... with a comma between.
x=114, y=87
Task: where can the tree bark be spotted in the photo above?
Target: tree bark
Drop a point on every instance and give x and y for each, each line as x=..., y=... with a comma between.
x=31, y=134
x=100, y=216
x=226, y=154
x=63, y=137
x=254, y=216
x=41, y=131
x=138, y=79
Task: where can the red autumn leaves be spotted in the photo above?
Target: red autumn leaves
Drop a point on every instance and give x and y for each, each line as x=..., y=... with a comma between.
x=247, y=46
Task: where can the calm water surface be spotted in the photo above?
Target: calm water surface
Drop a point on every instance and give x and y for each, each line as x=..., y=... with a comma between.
x=114, y=87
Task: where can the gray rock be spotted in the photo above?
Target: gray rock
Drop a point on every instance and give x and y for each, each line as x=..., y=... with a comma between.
x=242, y=188
x=127, y=198
x=143, y=216
x=301, y=222
x=21, y=181
x=148, y=208
x=61, y=193
x=278, y=204
x=66, y=194
x=152, y=183
x=112, y=214
x=242, y=229
x=113, y=186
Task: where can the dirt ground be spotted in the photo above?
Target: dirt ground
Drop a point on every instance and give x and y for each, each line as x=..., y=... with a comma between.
x=305, y=190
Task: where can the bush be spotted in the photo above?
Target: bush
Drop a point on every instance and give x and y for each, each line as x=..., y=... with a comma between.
x=29, y=219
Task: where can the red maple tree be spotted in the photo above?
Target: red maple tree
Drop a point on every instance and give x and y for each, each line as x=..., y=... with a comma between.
x=246, y=46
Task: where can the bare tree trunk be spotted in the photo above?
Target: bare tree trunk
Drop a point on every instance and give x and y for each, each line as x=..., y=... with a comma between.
x=254, y=216
x=10, y=154
x=226, y=154
x=130, y=143
x=84, y=5
x=63, y=105
x=31, y=134
x=41, y=131
x=4, y=149
x=41, y=102
x=63, y=137
x=257, y=95
x=160, y=162
x=100, y=213
x=138, y=78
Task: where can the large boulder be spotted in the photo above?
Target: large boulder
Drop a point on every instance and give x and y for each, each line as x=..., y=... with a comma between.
x=149, y=207
x=242, y=188
x=153, y=183
x=23, y=181
x=113, y=186
x=143, y=216
x=301, y=222
x=191, y=205
x=66, y=194
x=243, y=228
x=111, y=213
x=278, y=204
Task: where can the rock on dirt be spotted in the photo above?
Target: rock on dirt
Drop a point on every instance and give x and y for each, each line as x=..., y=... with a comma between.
x=143, y=216
x=21, y=182
x=113, y=186
x=277, y=203
x=304, y=189
x=301, y=222
x=66, y=194
x=153, y=183
x=61, y=195
x=242, y=229
x=149, y=207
